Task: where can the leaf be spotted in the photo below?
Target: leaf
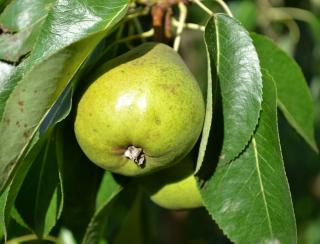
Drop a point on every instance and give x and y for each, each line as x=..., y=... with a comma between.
x=8, y=197
x=131, y=230
x=14, y=46
x=249, y=197
x=23, y=20
x=48, y=70
x=294, y=98
x=17, y=217
x=49, y=198
x=108, y=190
x=209, y=110
x=233, y=57
x=3, y=4
x=59, y=111
x=22, y=14
x=40, y=200
x=5, y=71
x=80, y=179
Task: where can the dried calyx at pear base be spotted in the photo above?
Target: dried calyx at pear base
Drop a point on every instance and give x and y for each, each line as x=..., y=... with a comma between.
x=144, y=111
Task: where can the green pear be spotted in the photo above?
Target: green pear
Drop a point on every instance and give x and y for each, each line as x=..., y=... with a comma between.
x=173, y=188
x=144, y=111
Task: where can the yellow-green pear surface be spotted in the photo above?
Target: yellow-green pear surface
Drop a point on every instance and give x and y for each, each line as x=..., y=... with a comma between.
x=173, y=188
x=144, y=111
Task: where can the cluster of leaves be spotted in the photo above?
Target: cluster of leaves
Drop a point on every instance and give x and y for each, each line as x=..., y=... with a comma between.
x=43, y=175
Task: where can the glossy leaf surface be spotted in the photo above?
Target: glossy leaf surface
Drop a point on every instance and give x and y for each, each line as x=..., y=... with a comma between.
x=249, y=197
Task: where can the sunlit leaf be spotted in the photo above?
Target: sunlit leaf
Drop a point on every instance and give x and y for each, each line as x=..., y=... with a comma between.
x=234, y=61
x=48, y=70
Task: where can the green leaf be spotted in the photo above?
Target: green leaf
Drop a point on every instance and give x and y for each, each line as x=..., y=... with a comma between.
x=131, y=230
x=3, y=4
x=14, y=46
x=22, y=14
x=59, y=111
x=108, y=190
x=80, y=180
x=210, y=99
x=5, y=71
x=294, y=98
x=237, y=68
x=8, y=197
x=47, y=71
x=23, y=20
x=17, y=217
x=249, y=197
x=49, y=198
x=40, y=200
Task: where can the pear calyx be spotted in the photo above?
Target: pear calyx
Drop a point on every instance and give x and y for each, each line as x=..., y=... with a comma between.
x=135, y=154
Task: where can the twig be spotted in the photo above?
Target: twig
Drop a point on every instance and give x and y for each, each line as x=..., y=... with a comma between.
x=32, y=238
x=138, y=27
x=143, y=12
x=191, y=26
x=182, y=20
x=296, y=13
x=202, y=6
x=277, y=14
x=225, y=7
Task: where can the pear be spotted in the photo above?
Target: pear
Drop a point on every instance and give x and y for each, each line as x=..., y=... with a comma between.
x=144, y=111
x=174, y=188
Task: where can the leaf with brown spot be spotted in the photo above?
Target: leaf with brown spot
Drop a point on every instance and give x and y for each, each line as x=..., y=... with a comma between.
x=55, y=54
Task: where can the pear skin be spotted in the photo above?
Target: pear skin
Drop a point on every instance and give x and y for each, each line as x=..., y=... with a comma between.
x=143, y=112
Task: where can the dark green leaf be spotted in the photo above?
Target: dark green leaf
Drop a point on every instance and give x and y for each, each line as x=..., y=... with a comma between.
x=17, y=217
x=131, y=231
x=49, y=199
x=46, y=76
x=80, y=180
x=40, y=199
x=108, y=190
x=235, y=60
x=294, y=97
x=8, y=197
x=249, y=197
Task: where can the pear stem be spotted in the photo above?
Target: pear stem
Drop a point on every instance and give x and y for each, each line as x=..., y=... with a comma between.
x=135, y=154
x=190, y=26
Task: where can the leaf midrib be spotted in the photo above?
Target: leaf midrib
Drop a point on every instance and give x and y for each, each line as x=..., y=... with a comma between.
x=254, y=144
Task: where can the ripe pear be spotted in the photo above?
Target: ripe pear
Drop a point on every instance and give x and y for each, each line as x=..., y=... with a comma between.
x=173, y=188
x=144, y=111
